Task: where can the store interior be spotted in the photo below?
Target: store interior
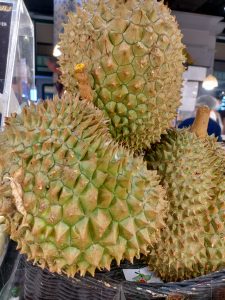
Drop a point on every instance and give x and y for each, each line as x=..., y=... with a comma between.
x=201, y=22
x=36, y=69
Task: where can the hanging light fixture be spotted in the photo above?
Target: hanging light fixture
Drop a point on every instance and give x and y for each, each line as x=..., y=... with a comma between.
x=57, y=52
x=210, y=83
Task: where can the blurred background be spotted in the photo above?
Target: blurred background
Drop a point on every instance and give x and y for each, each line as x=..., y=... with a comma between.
x=202, y=22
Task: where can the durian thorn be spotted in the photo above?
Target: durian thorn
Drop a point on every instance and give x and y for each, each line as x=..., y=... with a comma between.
x=201, y=122
x=81, y=76
x=24, y=223
x=17, y=195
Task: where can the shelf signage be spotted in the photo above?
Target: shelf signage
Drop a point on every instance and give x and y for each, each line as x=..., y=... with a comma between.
x=5, y=24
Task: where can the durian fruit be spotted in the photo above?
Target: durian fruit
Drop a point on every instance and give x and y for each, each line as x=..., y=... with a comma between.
x=5, y=194
x=78, y=200
x=192, y=168
x=134, y=55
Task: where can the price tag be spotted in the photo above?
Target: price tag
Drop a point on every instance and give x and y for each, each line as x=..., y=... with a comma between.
x=142, y=275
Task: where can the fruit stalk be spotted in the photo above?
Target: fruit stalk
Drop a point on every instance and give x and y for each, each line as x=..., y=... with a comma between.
x=201, y=122
x=83, y=82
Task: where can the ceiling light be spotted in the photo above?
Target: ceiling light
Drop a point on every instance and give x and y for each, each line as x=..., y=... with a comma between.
x=210, y=83
x=56, y=51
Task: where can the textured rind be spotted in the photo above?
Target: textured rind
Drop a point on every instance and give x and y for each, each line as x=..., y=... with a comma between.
x=192, y=170
x=87, y=201
x=134, y=55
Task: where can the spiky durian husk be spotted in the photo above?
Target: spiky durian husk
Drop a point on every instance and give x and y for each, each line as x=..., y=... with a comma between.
x=5, y=192
x=192, y=170
x=134, y=56
x=79, y=200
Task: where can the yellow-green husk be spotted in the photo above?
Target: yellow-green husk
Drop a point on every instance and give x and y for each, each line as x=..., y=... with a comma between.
x=77, y=199
x=192, y=171
x=134, y=56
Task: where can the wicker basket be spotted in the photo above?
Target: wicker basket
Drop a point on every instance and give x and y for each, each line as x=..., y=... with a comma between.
x=42, y=285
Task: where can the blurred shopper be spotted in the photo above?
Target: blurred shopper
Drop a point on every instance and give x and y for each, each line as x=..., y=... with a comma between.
x=222, y=115
x=213, y=127
x=54, y=67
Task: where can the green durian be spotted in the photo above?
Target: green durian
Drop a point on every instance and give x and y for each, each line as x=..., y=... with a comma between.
x=134, y=57
x=78, y=200
x=192, y=167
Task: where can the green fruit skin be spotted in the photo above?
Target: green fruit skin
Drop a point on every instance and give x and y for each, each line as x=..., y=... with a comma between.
x=191, y=169
x=77, y=199
x=134, y=57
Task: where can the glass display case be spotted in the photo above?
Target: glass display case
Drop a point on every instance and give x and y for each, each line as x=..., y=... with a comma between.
x=12, y=275
x=17, y=88
x=17, y=60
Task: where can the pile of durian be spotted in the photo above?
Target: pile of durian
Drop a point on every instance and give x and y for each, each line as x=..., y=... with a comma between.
x=100, y=175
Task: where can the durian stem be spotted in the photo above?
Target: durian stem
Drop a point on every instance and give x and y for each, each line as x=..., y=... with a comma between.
x=201, y=122
x=83, y=82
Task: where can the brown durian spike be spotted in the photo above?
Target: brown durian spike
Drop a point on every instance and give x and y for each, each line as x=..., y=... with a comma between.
x=6, y=203
x=201, y=122
x=83, y=82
